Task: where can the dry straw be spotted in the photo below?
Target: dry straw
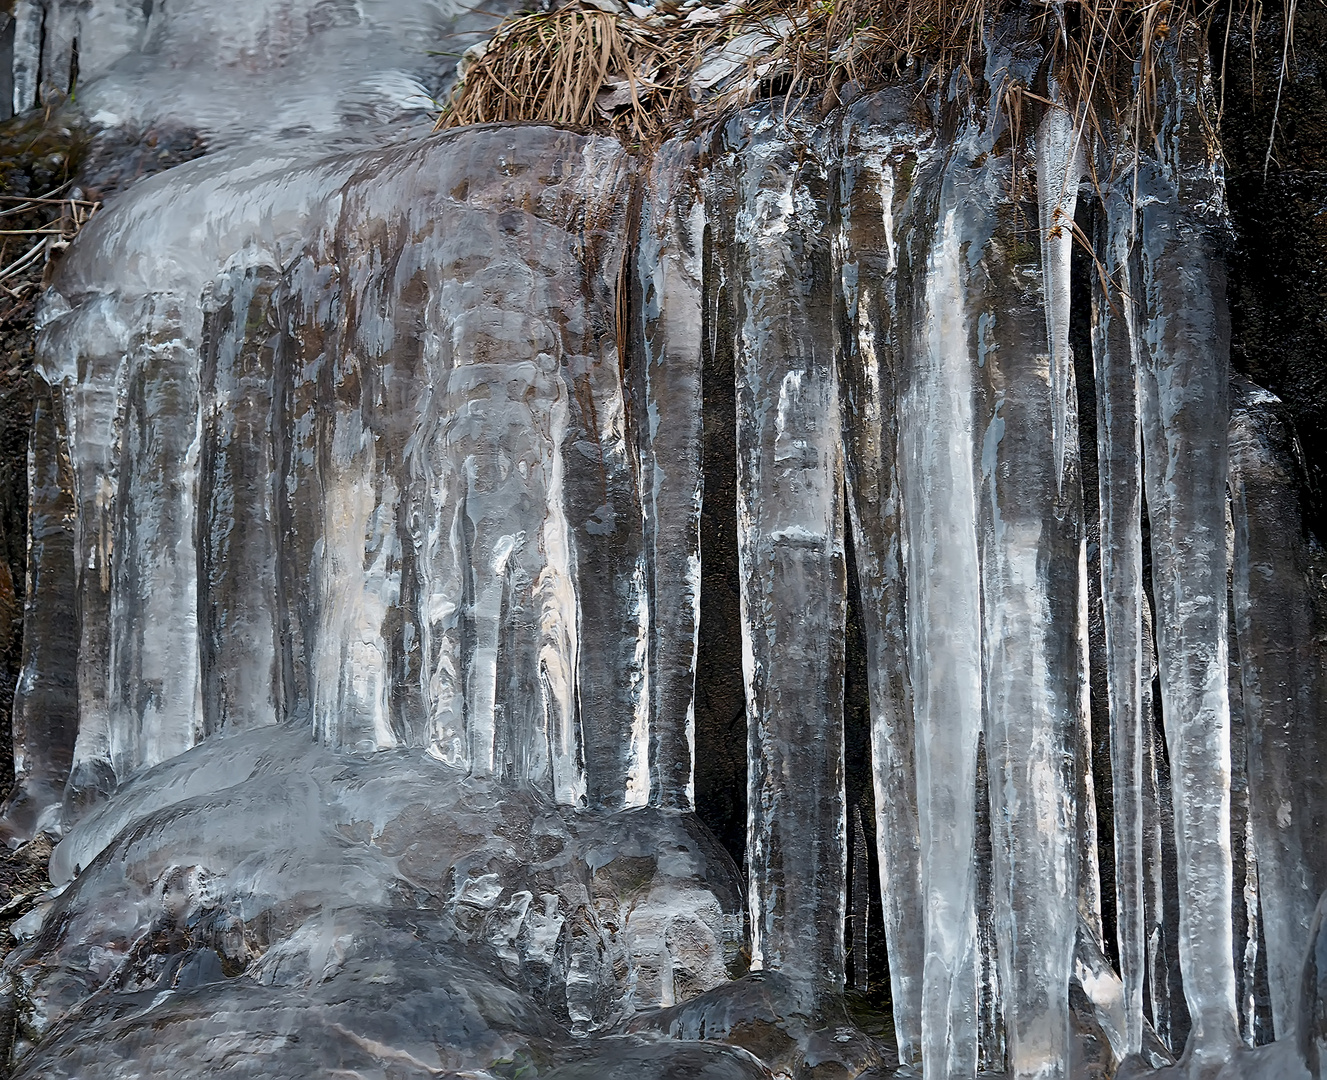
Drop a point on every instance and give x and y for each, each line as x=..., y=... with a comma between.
x=580, y=66
x=636, y=71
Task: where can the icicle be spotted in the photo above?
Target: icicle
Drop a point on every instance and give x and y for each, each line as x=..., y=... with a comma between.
x=793, y=590
x=1059, y=167
x=936, y=429
x=871, y=370
x=28, y=17
x=45, y=721
x=669, y=279
x=1119, y=461
x=1281, y=675
x=1184, y=408
x=1031, y=564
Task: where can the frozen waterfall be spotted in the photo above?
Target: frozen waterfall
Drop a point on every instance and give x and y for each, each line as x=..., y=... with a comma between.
x=364, y=605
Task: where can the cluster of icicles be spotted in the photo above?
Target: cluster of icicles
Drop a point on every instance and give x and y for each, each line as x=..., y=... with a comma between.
x=405, y=447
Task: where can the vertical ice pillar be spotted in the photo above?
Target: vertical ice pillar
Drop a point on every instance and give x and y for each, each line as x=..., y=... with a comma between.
x=358, y=575
x=1128, y=668
x=153, y=687
x=45, y=722
x=668, y=401
x=309, y=305
x=238, y=635
x=1282, y=679
x=1030, y=524
x=91, y=381
x=870, y=361
x=939, y=513
x=497, y=587
x=1185, y=413
x=482, y=569
x=599, y=487
x=793, y=589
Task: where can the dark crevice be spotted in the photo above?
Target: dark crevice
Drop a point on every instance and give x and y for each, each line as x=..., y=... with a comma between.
x=1278, y=263
x=1082, y=279
x=859, y=784
x=41, y=60
x=720, y=771
x=990, y=1015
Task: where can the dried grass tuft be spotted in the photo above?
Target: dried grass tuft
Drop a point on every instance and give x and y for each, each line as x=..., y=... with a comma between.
x=41, y=228
x=580, y=66
x=642, y=76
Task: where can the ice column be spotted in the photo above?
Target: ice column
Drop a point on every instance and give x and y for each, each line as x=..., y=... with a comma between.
x=91, y=388
x=937, y=484
x=153, y=685
x=667, y=384
x=358, y=569
x=309, y=304
x=238, y=634
x=1281, y=665
x=482, y=521
x=599, y=489
x=46, y=697
x=1030, y=526
x=1184, y=408
x=870, y=358
x=790, y=514
x=1128, y=670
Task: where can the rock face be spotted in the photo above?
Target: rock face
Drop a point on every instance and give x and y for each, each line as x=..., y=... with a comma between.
x=371, y=468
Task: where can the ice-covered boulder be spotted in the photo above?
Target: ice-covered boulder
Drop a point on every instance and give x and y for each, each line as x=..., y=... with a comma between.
x=385, y=899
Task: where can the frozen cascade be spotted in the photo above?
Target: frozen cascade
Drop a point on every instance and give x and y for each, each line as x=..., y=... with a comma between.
x=370, y=464
x=394, y=661
x=335, y=69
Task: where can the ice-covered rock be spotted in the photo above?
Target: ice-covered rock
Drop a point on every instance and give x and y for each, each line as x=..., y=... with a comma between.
x=269, y=866
x=250, y=69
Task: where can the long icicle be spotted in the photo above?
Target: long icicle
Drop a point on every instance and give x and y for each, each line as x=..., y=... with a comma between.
x=936, y=418
x=791, y=551
x=1185, y=411
x=870, y=360
x=1119, y=462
